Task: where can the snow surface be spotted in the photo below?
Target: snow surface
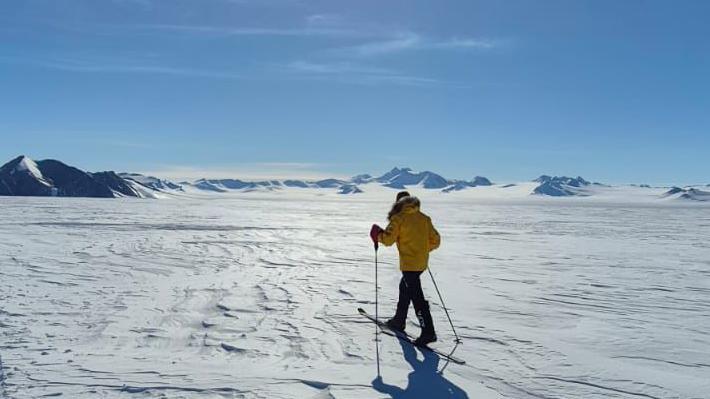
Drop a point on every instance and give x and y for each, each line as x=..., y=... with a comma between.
x=255, y=296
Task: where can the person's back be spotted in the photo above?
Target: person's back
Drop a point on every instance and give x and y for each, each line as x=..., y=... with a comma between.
x=414, y=234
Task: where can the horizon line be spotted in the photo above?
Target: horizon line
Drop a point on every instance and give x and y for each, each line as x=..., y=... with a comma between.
x=254, y=172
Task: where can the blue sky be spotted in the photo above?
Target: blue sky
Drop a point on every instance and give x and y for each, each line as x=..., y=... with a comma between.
x=615, y=91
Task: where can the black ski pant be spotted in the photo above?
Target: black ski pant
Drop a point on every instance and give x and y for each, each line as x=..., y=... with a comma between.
x=410, y=290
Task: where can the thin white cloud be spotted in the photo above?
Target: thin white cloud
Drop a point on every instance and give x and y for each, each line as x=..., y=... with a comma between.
x=324, y=20
x=465, y=43
x=345, y=72
x=410, y=41
x=339, y=71
x=254, y=31
x=332, y=25
x=333, y=65
x=404, y=41
x=75, y=65
x=246, y=171
x=336, y=68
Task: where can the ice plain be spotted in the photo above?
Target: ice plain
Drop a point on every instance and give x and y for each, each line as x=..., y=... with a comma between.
x=255, y=295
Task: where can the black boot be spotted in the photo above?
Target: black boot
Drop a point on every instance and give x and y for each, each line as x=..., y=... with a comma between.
x=425, y=321
x=395, y=324
x=398, y=322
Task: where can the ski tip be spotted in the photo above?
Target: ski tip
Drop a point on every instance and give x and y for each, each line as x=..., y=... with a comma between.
x=361, y=310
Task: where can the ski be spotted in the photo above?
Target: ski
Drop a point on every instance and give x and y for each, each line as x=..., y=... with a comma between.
x=408, y=338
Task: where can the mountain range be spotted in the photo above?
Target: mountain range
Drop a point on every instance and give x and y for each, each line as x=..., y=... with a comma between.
x=397, y=178
x=688, y=193
x=24, y=177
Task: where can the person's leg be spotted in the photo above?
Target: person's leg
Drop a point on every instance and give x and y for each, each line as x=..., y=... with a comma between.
x=421, y=307
x=414, y=288
x=399, y=320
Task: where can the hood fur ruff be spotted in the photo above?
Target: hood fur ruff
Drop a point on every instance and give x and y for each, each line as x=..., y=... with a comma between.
x=409, y=200
x=406, y=202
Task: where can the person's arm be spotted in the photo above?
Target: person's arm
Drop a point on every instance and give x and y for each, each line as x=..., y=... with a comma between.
x=434, y=237
x=392, y=390
x=389, y=235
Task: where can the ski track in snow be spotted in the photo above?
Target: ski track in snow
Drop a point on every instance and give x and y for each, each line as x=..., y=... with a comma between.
x=249, y=297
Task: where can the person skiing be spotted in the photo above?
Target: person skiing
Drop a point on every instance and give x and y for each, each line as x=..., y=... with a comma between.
x=415, y=236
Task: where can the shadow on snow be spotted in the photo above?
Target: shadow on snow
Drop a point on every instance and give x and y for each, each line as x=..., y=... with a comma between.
x=424, y=381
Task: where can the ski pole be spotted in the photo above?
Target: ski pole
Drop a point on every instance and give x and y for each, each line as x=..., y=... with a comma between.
x=377, y=329
x=444, y=306
x=448, y=358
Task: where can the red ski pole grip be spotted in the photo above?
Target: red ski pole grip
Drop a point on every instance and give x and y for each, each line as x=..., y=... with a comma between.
x=374, y=235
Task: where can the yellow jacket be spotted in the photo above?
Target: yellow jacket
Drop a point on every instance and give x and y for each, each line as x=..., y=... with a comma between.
x=414, y=234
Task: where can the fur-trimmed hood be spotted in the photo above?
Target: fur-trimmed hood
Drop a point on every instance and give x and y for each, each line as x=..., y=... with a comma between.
x=407, y=204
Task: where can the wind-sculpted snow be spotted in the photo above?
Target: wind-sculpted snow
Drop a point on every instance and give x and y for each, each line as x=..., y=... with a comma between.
x=256, y=297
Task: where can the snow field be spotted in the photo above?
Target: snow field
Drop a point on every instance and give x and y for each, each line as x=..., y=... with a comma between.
x=251, y=296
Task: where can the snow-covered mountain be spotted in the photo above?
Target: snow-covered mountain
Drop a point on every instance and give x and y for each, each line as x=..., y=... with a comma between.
x=226, y=185
x=360, y=179
x=401, y=178
x=330, y=183
x=152, y=182
x=692, y=194
x=24, y=177
x=459, y=185
x=118, y=185
x=295, y=183
x=397, y=178
x=561, y=186
x=350, y=189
